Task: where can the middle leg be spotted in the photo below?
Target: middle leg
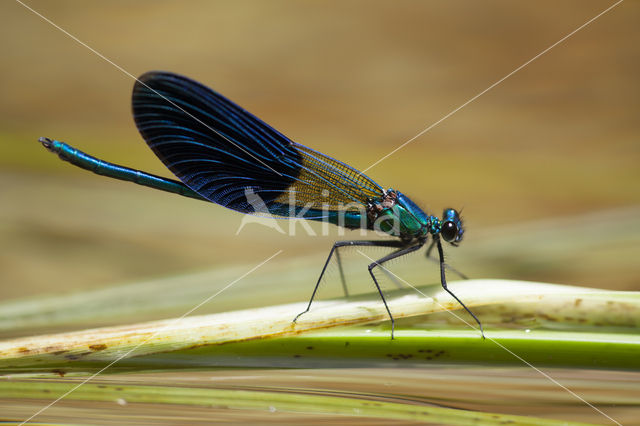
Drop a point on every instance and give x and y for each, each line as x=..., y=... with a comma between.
x=401, y=252
x=336, y=246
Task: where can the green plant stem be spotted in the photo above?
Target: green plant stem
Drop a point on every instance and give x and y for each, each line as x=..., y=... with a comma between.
x=289, y=401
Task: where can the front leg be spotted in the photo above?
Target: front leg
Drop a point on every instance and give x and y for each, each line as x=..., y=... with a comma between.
x=443, y=281
x=450, y=268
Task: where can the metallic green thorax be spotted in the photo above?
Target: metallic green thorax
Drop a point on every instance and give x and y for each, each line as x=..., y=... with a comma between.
x=395, y=214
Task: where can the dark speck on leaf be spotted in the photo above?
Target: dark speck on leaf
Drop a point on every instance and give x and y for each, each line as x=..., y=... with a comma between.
x=99, y=347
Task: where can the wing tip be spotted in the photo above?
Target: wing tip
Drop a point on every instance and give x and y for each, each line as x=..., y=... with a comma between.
x=149, y=76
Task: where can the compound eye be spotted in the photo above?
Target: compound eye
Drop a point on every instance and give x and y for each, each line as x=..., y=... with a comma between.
x=449, y=231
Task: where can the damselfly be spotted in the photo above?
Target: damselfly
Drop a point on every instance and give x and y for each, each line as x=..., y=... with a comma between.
x=222, y=154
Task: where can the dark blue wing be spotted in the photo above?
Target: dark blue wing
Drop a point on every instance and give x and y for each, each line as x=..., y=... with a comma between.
x=231, y=157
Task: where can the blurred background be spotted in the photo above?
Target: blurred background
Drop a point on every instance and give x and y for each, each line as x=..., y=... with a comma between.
x=545, y=165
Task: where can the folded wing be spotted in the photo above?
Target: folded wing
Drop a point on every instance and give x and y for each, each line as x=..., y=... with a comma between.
x=225, y=153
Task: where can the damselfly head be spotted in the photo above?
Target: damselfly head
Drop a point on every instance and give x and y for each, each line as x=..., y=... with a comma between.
x=451, y=229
